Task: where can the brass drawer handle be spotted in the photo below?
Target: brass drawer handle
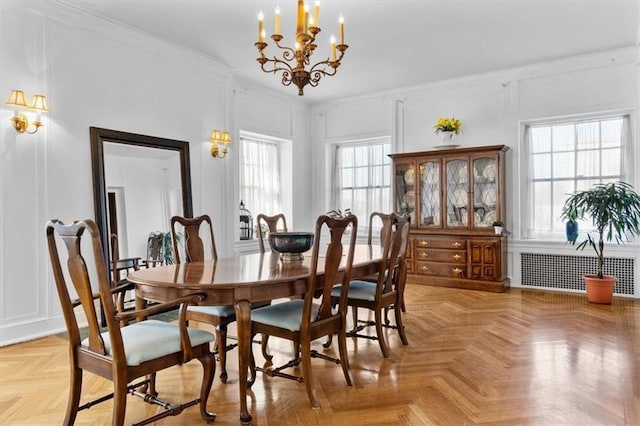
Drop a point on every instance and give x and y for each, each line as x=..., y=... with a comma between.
x=457, y=244
x=457, y=270
x=423, y=243
x=457, y=256
x=424, y=268
x=423, y=254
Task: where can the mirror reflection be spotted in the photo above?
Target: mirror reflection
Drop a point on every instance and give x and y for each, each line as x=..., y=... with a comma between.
x=143, y=192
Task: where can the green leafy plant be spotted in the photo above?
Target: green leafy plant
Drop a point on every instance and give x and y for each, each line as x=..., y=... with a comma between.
x=448, y=125
x=614, y=209
x=498, y=223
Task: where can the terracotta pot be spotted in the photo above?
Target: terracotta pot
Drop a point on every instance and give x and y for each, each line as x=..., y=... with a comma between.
x=599, y=290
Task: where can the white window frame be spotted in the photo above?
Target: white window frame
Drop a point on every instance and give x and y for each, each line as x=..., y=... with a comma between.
x=526, y=199
x=335, y=188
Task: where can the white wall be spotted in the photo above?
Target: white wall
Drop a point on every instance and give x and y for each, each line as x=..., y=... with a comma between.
x=492, y=108
x=96, y=73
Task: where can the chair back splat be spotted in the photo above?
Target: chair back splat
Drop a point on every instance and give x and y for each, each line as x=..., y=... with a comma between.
x=122, y=353
x=272, y=225
x=303, y=321
x=194, y=246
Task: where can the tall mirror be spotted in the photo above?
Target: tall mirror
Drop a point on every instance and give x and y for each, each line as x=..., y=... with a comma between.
x=139, y=182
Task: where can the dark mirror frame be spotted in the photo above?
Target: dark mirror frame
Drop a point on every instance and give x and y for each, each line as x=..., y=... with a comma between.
x=98, y=138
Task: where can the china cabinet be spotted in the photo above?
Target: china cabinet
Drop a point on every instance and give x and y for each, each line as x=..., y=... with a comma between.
x=453, y=197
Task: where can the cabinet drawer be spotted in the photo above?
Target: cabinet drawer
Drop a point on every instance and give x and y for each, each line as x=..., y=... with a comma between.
x=441, y=269
x=441, y=243
x=451, y=256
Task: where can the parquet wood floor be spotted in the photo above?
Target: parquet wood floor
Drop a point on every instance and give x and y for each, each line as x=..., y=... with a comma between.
x=474, y=358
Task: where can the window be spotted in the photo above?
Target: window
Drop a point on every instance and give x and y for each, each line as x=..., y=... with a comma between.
x=362, y=177
x=260, y=184
x=568, y=156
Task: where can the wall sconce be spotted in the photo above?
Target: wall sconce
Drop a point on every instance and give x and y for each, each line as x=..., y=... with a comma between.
x=216, y=139
x=20, y=121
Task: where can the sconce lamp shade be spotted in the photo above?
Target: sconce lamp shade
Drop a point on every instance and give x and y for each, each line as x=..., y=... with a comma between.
x=215, y=136
x=40, y=103
x=226, y=138
x=17, y=98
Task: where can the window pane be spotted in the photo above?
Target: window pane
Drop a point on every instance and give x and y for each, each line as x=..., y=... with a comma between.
x=347, y=157
x=588, y=135
x=361, y=176
x=611, y=162
x=347, y=178
x=542, y=201
x=564, y=165
x=612, y=133
x=361, y=155
x=563, y=138
x=561, y=191
x=542, y=166
x=540, y=139
x=588, y=163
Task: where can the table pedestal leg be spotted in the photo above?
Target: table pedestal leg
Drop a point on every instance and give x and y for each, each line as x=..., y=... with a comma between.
x=243, y=320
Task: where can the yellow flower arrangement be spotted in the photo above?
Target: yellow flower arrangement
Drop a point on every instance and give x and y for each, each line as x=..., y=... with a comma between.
x=448, y=125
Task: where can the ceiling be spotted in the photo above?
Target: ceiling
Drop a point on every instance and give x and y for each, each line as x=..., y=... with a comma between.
x=393, y=43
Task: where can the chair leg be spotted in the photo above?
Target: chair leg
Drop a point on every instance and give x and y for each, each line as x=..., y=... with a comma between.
x=306, y=372
x=379, y=332
x=208, y=362
x=221, y=345
x=344, y=357
x=397, y=309
x=252, y=364
x=120, y=392
x=263, y=342
x=74, y=396
x=354, y=313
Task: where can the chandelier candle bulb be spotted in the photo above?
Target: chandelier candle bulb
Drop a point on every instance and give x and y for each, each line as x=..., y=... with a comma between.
x=260, y=27
x=333, y=48
x=277, y=22
x=341, y=28
x=316, y=13
x=306, y=18
x=300, y=20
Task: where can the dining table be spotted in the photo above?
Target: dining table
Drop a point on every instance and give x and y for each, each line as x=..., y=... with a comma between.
x=240, y=281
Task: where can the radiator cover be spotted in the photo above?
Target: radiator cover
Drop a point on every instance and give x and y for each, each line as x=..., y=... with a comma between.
x=564, y=272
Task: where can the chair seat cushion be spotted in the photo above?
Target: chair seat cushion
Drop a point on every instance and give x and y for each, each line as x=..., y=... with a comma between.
x=151, y=339
x=218, y=311
x=286, y=315
x=360, y=290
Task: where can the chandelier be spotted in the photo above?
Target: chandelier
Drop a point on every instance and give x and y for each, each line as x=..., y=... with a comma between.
x=295, y=60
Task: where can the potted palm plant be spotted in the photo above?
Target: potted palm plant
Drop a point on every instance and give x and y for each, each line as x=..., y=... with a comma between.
x=614, y=209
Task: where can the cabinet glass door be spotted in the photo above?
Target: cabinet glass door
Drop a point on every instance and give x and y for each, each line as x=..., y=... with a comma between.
x=457, y=193
x=485, y=192
x=430, y=194
x=406, y=189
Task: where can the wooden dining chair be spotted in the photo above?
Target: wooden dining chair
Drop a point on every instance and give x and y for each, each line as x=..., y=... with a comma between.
x=121, y=354
x=272, y=223
x=120, y=269
x=388, y=289
x=305, y=320
x=195, y=251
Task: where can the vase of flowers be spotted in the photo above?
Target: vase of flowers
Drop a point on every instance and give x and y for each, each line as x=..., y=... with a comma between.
x=448, y=129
